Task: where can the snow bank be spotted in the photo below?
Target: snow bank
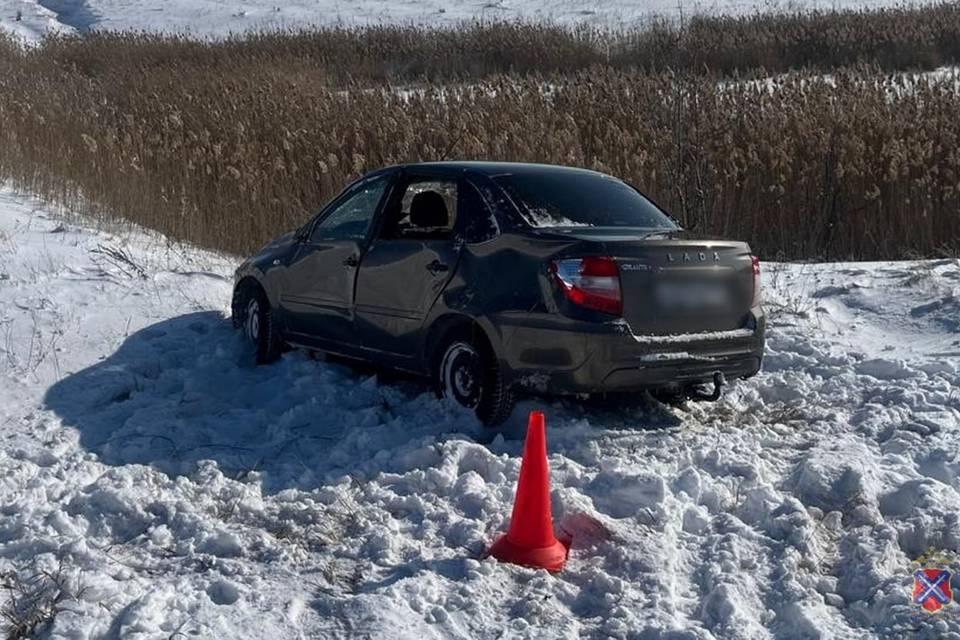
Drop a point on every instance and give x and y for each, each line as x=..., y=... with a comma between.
x=184, y=491
x=223, y=17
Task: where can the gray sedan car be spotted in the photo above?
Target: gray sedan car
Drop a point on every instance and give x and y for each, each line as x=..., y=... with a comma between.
x=497, y=278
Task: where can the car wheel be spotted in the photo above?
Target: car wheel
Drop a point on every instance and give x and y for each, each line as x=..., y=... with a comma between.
x=471, y=376
x=259, y=327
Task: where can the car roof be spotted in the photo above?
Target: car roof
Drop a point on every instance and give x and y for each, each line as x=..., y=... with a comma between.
x=496, y=168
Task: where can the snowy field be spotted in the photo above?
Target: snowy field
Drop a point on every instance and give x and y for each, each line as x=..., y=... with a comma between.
x=32, y=18
x=178, y=491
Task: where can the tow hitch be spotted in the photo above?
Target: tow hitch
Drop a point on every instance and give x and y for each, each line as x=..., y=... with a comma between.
x=698, y=395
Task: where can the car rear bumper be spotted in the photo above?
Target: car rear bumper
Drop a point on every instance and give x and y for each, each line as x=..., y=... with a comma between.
x=552, y=354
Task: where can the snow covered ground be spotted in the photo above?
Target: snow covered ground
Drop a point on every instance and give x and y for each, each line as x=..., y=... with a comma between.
x=178, y=491
x=32, y=18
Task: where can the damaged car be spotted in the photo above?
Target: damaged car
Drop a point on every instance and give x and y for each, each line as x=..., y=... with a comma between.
x=495, y=279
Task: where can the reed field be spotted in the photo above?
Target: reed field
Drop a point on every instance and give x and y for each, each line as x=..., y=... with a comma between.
x=812, y=136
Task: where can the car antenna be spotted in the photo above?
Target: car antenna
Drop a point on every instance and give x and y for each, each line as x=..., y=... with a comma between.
x=452, y=144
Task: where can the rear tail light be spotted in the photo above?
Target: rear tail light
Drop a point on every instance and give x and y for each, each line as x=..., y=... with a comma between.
x=756, y=281
x=592, y=283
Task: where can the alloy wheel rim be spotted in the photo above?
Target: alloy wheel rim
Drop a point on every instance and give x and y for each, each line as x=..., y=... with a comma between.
x=461, y=375
x=253, y=321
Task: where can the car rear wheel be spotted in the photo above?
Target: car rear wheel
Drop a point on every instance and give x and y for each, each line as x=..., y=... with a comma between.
x=259, y=327
x=469, y=374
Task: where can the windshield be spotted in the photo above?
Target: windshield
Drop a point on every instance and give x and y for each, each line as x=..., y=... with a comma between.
x=581, y=199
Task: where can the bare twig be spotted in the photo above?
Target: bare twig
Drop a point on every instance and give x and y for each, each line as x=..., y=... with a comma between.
x=121, y=260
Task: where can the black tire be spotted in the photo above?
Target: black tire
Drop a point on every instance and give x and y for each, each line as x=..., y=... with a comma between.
x=258, y=325
x=467, y=371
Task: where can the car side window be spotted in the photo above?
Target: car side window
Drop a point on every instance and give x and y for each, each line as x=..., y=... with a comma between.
x=351, y=219
x=427, y=209
x=476, y=218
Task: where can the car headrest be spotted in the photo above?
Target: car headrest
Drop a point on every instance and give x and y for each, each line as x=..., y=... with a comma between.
x=428, y=210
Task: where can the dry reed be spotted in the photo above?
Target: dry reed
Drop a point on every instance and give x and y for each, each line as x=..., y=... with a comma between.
x=227, y=144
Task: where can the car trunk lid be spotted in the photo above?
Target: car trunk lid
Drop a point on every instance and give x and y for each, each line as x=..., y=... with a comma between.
x=675, y=282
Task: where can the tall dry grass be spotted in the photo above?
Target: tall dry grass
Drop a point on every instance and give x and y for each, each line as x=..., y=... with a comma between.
x=228, y=144
x=892, y=39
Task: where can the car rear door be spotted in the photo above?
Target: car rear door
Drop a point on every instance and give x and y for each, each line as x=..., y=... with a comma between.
x=318, y=293
x=408, y=265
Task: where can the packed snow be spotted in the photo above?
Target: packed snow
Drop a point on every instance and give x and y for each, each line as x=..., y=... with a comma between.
x=172, y=489
x=32, y=18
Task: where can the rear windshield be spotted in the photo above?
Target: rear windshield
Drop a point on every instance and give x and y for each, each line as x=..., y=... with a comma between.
x=574, y=199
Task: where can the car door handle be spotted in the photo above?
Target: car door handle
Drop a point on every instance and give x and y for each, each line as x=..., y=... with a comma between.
x=436, y=267
x=352, y=261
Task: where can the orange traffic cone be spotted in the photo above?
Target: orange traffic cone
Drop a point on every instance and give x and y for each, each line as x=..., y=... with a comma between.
x=530, y=541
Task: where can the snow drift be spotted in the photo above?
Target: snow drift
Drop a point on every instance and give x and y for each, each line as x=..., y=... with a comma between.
x=181, y=490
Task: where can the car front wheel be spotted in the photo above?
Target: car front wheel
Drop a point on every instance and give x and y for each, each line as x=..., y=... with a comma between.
x=259, y=327
x=471, y=376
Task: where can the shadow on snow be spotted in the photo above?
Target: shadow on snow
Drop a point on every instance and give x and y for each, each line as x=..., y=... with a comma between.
x=185, y=389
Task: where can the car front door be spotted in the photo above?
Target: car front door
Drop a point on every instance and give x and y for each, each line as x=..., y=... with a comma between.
x=410, y=261
x=318, y=294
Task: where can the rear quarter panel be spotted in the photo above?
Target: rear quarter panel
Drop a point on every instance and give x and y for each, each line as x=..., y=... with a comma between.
x=500, y=284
